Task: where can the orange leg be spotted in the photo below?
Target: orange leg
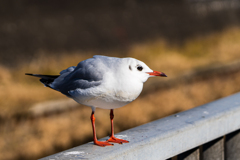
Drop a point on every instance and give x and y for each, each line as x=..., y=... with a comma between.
x=99, y=143
x=112, y=137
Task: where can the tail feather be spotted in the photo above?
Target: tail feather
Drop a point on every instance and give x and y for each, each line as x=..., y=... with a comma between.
x=45, y=79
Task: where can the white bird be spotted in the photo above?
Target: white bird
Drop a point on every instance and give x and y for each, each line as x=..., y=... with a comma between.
x=102, y=82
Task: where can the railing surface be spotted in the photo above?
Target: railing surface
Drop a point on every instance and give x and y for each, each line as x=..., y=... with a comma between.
x=210, y=131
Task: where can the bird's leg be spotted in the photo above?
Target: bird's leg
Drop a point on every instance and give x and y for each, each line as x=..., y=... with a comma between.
x=112, y=137
x=99, y=143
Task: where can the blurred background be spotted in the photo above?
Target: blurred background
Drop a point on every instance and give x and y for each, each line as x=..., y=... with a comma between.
x=195, y=42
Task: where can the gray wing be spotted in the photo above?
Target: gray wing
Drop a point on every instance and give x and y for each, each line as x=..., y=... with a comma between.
x=87, y=74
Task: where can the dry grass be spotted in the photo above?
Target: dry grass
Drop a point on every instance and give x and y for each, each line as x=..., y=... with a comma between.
x=218, y=48
x=49, y=134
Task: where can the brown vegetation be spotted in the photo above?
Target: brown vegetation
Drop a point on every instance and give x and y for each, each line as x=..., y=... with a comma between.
x=25, y=137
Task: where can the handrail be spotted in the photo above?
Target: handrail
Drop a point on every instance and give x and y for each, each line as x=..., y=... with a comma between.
x=169, y=136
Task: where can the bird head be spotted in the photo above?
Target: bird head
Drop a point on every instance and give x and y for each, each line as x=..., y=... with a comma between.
x=141, y=71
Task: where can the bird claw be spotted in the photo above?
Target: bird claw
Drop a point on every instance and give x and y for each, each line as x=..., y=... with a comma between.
x=117, y=140
x=102, y=144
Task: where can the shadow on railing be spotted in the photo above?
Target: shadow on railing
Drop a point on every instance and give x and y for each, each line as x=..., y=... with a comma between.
x=210, y=131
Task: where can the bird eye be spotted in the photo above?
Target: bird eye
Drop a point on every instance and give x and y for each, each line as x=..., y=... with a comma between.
x=140, y=68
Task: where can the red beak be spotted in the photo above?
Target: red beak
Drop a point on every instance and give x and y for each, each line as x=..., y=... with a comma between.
x=156, y=73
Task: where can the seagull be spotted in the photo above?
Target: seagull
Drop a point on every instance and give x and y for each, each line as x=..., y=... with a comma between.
x=102, y=82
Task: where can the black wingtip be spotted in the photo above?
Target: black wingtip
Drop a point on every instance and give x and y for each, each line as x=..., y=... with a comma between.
x=29, y=74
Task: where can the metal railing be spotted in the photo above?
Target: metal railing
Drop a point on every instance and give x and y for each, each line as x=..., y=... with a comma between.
x=207, y=132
